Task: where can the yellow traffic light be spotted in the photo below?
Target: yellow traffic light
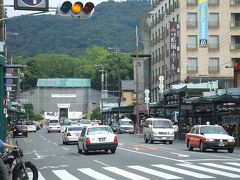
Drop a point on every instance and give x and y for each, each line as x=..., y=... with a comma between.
x=77, y=7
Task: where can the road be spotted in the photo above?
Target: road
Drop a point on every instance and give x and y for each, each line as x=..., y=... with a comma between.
x=133, y=160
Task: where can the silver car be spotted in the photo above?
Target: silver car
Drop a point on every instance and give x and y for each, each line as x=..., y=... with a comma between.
x=71, y=134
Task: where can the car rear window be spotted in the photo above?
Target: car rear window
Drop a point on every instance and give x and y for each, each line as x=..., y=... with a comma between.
x=53, y=121
x=99, y=130
x=75, y=128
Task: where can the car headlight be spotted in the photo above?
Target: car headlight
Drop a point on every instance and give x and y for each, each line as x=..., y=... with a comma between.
x=231, y=140
x=210, y=140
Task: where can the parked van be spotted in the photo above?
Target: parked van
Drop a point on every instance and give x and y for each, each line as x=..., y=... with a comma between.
x=125, y=125
x=158, y=129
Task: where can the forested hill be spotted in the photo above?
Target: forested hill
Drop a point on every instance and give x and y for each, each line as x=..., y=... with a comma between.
x=112, y=25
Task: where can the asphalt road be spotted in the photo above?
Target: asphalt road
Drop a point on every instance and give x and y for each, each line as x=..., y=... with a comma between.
x=133, y=160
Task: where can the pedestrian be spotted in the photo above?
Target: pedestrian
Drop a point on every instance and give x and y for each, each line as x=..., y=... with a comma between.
x=3, y=170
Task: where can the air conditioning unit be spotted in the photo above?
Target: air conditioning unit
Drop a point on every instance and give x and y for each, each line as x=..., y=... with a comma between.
x=232, y=24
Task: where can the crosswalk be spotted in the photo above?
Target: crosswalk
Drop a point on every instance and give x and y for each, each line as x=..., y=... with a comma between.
x=224, y=170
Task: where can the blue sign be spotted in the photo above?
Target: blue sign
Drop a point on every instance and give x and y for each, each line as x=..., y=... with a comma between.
x=203, y=22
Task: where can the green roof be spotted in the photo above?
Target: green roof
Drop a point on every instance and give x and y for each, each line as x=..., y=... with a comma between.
x=64, y=82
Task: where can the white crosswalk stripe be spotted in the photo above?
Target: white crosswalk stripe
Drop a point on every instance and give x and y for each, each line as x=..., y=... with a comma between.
x=154, y=172
x=208, y=170
x=126, y=174
x=161, y=171
x=94, y=174
x=183, y=171
x=63, y=174
x=222, y=167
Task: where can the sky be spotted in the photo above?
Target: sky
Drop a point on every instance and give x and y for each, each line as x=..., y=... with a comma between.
x=52, y=3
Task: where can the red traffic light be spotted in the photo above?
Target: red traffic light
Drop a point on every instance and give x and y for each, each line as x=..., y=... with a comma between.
x=88, y=7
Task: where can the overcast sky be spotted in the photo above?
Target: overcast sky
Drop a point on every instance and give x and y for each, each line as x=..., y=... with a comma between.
x=52, y=3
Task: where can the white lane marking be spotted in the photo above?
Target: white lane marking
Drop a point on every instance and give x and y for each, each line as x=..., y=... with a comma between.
x=66, y=148
x=55, y=144
x=153, y=155
x=155, y=173
x=180, y=155
x=53, y=167
x=195, y=160
x=222, y=167
x=94, y=174
x=208, y=170
x=233, y=163
x=183, y=171
x=40, y=177
x=102, y=163
x=125, y=174
x=64, y=175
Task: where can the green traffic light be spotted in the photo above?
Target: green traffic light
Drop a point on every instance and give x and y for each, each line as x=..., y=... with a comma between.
x=66, y=7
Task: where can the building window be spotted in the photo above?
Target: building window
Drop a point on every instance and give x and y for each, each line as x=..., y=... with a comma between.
x=235, y=43
x=213, y=2
x=213, y=43
x=192, y=2
x=192, y=20
x=213, y=20
x=192, y=42
x=192, y=65
x=235, y=20
x=213, y=65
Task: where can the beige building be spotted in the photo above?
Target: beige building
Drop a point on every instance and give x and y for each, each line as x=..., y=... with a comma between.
x=181, y=58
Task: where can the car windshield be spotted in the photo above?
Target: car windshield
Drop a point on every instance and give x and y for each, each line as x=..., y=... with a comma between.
x=75, y=128
x=212, y=130
x=126, y=122
x=162, y=124
x=85, y=122
x=99, y=130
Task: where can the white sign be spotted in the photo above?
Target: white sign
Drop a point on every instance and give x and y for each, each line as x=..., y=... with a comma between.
x=63, y=105
x=64, y=95
x=161, y=78
x=146, y=91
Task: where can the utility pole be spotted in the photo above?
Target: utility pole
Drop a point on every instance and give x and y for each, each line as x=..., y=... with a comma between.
x=137, y=94
x=3, y=124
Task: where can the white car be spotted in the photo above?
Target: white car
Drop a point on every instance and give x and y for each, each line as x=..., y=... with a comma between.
x=54, y=127
x=71, y=134
x=31, y=128
x=97, y=138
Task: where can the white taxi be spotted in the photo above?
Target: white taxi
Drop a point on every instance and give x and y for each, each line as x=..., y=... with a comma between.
x=97, y=138
x=71, y=134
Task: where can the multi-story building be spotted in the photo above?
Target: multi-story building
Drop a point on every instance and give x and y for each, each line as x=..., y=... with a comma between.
x=175, y=35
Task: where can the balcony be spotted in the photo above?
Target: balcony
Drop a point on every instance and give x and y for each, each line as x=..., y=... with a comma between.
x=235, y=47
x=192, y=24
x=213, y=2
x=235, y=2
x=213, y=47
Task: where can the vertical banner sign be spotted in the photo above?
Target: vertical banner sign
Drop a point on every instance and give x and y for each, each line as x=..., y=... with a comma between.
x=173, y=47
x=203, y=23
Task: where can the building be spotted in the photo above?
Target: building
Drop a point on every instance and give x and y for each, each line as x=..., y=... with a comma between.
x=60, y=97
x=175, y=29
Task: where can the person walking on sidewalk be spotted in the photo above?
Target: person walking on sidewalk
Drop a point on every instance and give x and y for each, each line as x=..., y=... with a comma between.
x=3, y=170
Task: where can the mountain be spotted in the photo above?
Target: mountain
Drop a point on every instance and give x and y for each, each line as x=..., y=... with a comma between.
x=112, y=25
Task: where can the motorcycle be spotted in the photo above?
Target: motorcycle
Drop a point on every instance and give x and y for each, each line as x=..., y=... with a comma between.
x=17, y=168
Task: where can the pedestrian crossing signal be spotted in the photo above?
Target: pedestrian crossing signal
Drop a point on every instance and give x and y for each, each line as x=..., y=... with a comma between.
x=76, y=11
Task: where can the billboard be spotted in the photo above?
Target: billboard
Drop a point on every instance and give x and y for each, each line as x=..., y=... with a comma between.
x=173, y=47
x=203, y=23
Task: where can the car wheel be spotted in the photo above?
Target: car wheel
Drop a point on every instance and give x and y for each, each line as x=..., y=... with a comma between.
x=79, y=150
x=189, y=146
x=113, y=151
x=202, y=148
x=170, y=142
x=150, y=139
x=48, y=131
x=164, y=142
x=230, y=150
x=63, y=142
x=145, y=139
x=84, y=151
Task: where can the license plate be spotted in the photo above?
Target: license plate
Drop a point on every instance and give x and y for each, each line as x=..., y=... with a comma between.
x=221, y=144
x=20, y=133
x=102, y=139
x=164, y=137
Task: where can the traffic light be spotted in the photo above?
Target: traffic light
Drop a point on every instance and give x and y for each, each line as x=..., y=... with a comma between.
x=76, y=10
